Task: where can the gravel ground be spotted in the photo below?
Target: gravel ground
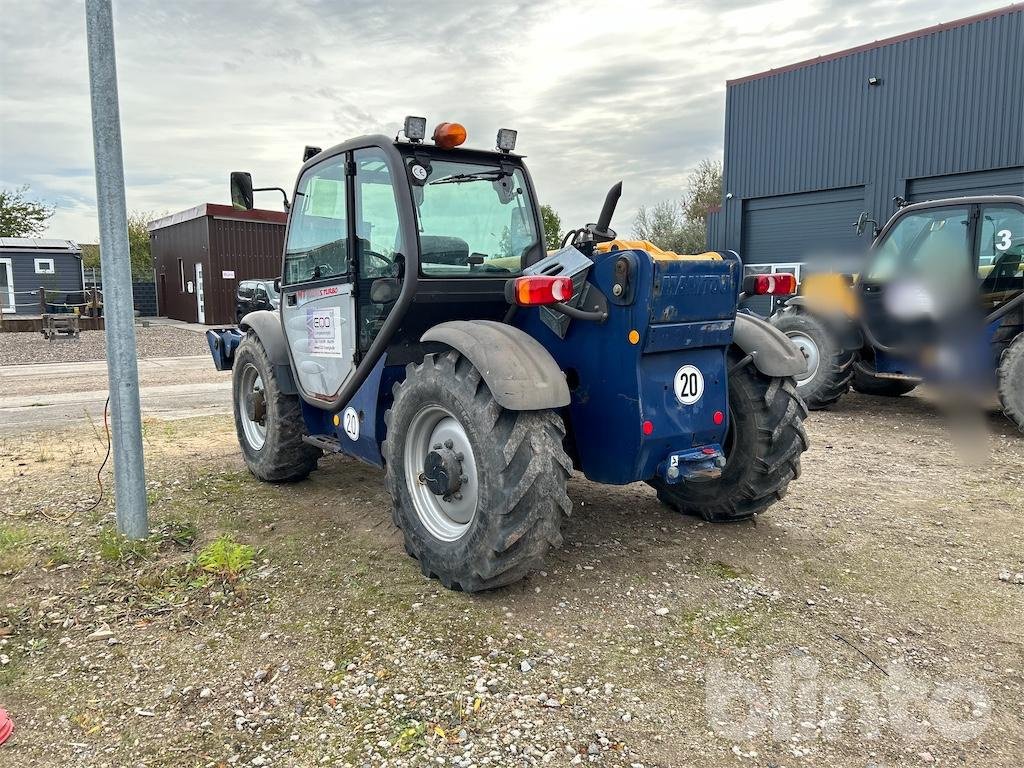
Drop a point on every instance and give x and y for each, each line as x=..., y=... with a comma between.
x=871, y=618
x=155, y=341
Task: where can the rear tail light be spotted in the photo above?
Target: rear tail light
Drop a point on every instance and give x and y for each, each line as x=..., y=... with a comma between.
x=534, y=290
x=781, y=284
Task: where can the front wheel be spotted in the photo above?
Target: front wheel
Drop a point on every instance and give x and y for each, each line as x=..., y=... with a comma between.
x=762, y=450
x=829, y=365
x=268, y=422
x=1011, y=381
x=479, y=491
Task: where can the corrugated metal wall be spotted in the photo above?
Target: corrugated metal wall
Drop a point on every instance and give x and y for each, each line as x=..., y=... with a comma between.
x=65, y=282
x=187, y=241
x=229, y=249
x=949, y=102
x=249, y=250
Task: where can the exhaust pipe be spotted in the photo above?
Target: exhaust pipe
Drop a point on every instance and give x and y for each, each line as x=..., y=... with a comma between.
x=602, y=231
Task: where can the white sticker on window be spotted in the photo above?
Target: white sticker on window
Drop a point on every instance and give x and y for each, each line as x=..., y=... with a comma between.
x=1005, y=240
x=350, y=423
x=689, y=384
x=323, y=331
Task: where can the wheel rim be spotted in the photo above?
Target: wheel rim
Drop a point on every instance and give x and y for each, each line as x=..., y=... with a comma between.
x=810, y=352
x=447, y=517
x=253, y=407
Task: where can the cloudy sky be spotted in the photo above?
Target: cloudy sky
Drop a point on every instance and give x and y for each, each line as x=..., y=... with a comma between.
x=599, y=91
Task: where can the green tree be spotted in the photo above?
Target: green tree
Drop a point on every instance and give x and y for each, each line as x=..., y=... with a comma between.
x=683, y=226
x=138, y=246
x=20, y=216
x=552, y=227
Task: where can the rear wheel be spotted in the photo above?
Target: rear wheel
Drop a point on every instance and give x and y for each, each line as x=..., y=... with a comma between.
x=867, y=384
x=479, y=491
x=829, y=365
x=1011, y=381
x=268, y=422
x=762, y=449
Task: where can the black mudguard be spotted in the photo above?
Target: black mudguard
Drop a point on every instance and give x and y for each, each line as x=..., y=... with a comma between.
x=772, y=353
x=267, y=327
x=520, y=373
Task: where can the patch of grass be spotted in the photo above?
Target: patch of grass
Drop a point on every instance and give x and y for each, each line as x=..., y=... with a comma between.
x=725, y=571
x=12, y=557
x=11, y=538
x=180, y=533
x=735, y=626
x=226, y=558
x=58, y=554
x=117, y=548
x=411, y=737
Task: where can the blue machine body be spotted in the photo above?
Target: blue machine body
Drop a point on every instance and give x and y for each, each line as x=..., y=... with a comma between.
x=976, y=361
x=625, y=422
x=683, y=312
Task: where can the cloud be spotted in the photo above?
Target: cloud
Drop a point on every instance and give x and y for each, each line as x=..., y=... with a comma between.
x=598, y=90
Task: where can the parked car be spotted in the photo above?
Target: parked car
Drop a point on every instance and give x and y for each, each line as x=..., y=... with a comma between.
x=255, y=294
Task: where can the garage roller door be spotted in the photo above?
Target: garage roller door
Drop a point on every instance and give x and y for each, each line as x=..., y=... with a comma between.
x=801, y=228
x=1002, y=181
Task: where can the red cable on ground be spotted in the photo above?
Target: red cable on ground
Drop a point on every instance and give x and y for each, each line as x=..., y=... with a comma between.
x=6, y=726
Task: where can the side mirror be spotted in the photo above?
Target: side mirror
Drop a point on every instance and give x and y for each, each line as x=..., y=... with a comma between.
x=862, y=221
x=277, y=285
x=241, y=190
x=384, y=290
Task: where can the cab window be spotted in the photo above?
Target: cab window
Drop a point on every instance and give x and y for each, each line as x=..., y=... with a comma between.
x=928, y=243
x=1000, y=251
x=474, y=219
x=376, y=212
x=317, y=246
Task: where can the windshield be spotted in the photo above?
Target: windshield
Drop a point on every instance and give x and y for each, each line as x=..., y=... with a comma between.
x=474, y=220
x=927, y=244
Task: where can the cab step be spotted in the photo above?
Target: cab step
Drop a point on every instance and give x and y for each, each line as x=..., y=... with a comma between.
x=324, y=442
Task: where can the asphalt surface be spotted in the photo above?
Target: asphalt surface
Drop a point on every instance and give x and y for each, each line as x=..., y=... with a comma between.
x=54, y=395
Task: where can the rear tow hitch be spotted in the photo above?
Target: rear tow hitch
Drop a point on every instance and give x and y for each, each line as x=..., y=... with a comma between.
x=704, y=463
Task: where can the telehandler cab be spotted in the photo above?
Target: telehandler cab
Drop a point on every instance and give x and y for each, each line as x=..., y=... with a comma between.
x=940, y=299
x=424, y=329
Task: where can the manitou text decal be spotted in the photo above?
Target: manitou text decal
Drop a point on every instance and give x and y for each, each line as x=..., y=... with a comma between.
x=692, y=285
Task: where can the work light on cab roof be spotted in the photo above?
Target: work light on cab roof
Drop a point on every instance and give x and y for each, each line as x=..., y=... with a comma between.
x=450, y=135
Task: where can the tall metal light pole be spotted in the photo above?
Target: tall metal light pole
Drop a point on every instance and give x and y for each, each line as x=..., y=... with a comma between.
x=118, y=307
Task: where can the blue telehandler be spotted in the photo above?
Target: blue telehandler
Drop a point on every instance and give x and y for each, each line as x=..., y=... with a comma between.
x=423, y=328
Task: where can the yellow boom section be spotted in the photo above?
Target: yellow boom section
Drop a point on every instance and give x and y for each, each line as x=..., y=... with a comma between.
x=656, y=253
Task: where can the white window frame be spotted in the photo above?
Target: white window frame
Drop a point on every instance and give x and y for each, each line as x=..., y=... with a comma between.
x=8, y=299
x=38, y=263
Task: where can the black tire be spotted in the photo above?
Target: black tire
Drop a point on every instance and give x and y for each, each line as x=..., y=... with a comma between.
x=521, y=470
x=283, y=457
x=867, y=384
x=766, y=438
x=830, y=379
x=1011, y=381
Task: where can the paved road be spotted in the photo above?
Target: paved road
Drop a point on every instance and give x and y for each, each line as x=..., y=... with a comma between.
x=51, y=395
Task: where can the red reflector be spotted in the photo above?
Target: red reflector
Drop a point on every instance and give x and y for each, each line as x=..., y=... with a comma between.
x=781, y=284
x=719, y=417
x=708, y=451
x=533, y=290
x=648, y=427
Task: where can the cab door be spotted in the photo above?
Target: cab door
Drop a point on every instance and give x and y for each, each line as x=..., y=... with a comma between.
x=317, y=308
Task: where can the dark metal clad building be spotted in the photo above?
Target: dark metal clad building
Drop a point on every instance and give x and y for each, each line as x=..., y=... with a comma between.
x=201, y=254
x=933, y=113
x=28, y=264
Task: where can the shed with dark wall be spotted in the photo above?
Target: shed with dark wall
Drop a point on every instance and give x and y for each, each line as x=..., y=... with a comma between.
x=201, y=254
x=933, y=113
x=28, y=264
